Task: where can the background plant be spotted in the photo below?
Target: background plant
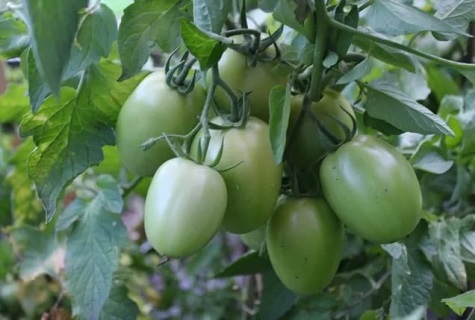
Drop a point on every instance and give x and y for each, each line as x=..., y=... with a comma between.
x=71, y=238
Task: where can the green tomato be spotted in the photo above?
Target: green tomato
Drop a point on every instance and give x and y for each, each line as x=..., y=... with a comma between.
x=255, y=239
x=307, y=147
x=373, y=189
x=305, y=244
x=254, y=180
x=258, y=80
x=184, y=207
x=152, y=109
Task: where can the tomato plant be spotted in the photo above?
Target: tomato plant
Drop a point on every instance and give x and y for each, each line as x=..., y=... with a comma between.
x=184, y=207
x=309, y=143
x=85, y=83
x=252, y=177
x=373, y=189
x=151, y=110
x=235, y=70
x=305, y=242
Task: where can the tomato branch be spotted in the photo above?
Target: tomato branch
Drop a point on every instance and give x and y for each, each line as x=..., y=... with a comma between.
x=338, y=25
x=320, y=51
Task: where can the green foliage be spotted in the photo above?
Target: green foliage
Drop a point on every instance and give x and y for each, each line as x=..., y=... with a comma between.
x=51, y=43
x=72, y=242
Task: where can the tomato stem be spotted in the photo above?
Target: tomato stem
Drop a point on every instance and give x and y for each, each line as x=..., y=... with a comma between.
x=204, y=141
x=454, y=64
x=321, y=39
x=130, y=186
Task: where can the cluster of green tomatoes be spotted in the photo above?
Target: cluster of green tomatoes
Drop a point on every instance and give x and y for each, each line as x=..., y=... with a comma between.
x=363, y=183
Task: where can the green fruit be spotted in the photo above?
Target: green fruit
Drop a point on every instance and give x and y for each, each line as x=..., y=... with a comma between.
x=255, y=239
x=259, y=80
x=373, y=189
x=305, y=242
x=254, y=180
x=307, y=146
x=152, y=109
x=184, y=207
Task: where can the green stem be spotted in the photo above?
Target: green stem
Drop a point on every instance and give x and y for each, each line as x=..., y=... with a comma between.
x=321, y=39
x=128, y=188
x=365, y=5
x=204, y=142
x=232, y=97
x=389, y=43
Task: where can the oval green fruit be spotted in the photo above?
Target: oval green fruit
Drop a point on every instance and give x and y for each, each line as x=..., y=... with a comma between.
x=259, y=80
x=307, y=147
x=305, y=243
x=254, y=180
x=154, y=108
x=373, y=189
x=255, y=239
x=184, y=207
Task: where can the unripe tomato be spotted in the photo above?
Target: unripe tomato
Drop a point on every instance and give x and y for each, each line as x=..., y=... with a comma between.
x=305, y=243
x=184, y=207
x=373, y=189
x=253, y=183
x=306, y=146
x=152, y=109
x=255, y=239
x=259, y=80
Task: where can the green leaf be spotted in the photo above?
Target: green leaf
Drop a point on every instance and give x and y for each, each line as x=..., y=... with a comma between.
x=285, y=12
x=207, y=50
x=357, y=72
x=276, y=299
x=386, y=54
x=26, y=204
x=468, y=72
x=40, y=250
x=249, y=263
x=53, y=25
x=450, y=105
x=38, y=90
x=393, y=18
x=413, y=84
x=279, y=107
x=429, y=159
x=92, y=253
x=267, y=5
x=94, y=40
x=391, y=105
x=457, y=13
x=210, y=15
x=459, y=303
x=71, y=214
x=119, y=306
x=463, y=183
x=146, y=24
x=467, y=242
x=380, y=125
x=411, y=280
x=467, y=120
x=417, y=314
x=445, y=253
x=14, y=37
x=340, y=41
x=70, y=131
x=14, y=103
x=7, y=259
x=440, y=82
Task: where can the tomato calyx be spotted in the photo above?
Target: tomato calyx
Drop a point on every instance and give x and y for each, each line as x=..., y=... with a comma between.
x=254, y=46
x=177, y=75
